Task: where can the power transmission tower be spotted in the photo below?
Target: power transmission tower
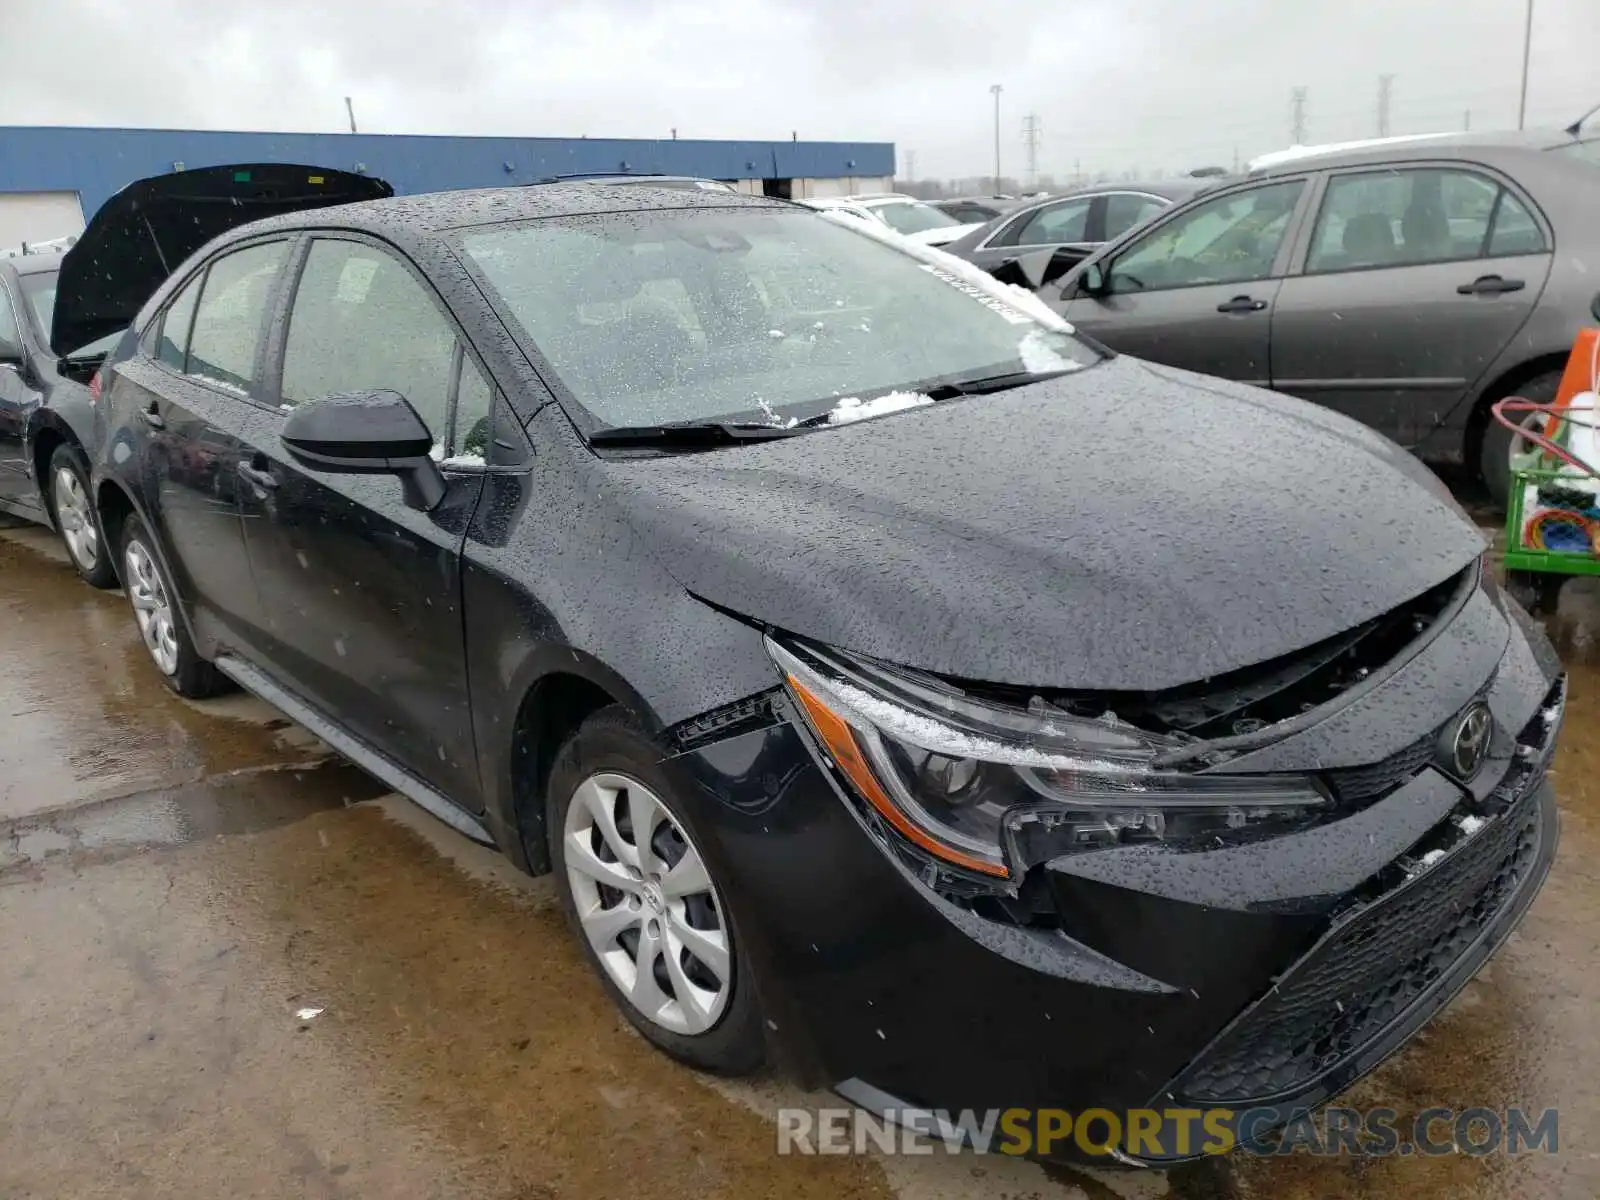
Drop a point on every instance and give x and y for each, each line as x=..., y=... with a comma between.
x=1032, y=133
x=1297, y=117
x=1385, y=96
x=911, y=166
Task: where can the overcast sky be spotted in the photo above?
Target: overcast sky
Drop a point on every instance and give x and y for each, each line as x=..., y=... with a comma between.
x=1115, y=83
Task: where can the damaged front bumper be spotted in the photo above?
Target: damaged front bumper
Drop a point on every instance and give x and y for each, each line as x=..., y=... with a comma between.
x=1258, y=977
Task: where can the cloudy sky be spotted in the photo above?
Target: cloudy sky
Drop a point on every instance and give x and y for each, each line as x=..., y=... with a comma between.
x=1115, y=83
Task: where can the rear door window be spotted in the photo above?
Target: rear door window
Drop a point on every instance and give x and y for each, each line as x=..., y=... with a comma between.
x=1396, y=218
x=229, y=316
x=1124, y=210
x=173, y=346
x=1064, y=222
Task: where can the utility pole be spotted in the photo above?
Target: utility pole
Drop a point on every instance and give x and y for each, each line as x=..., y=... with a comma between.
x=1297, y=116
x=994, y=90
x=1385, y=96
x=1527, y=49
x=350, y=111
x=1031, y=133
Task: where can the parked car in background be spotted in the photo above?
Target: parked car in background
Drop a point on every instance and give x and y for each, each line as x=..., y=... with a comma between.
x=1408, y=284
x=906, y=215
x=975, y=210
x=1072, y=225
x=790, y=602
x=47, y=416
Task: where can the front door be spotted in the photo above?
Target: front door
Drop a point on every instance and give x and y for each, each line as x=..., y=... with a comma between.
x=1197, y=290
x=361, y=595
x=1414, y=282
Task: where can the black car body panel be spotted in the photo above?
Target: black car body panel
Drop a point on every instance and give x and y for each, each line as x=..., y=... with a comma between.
x=41, y=407
x=994, y=539
x=140, y=236
x=885, y=543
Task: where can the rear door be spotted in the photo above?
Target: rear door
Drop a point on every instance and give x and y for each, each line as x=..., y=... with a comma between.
x=361, y=595
x=18, y=398
x=1414, y=280
x=1197, y=289
x=191, y=390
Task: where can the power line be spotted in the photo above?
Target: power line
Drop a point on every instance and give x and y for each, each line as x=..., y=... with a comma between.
x=1032, y=133
x=1385, y=98
x=1297, y=116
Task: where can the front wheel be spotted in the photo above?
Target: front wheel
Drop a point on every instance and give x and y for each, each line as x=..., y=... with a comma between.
x=72, y=509
x=160, y=624
x=643, y=902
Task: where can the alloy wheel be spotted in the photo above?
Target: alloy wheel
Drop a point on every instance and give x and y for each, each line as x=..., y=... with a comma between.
x=151, y=607
x=647, y=905
x=76, y=519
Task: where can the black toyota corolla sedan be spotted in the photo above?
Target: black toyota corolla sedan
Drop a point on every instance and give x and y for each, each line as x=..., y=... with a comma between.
x=897, y=685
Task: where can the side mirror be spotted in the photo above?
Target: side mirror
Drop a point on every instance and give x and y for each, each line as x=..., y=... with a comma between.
x=1095, y=280
x=367, y=433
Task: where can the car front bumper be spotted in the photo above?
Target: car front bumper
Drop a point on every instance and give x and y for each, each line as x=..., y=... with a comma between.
x=1256, y=978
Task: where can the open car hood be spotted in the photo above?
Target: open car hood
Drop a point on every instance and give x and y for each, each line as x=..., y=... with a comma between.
x=145, y=232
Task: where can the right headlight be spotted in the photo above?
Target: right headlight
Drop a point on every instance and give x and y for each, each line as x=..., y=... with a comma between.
x=994, y=788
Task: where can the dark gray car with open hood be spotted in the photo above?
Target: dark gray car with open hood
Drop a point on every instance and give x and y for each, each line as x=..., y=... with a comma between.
x=897, y=685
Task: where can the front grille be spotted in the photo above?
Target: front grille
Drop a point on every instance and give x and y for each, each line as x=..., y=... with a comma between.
x=1367, y=972
x=1354, y=785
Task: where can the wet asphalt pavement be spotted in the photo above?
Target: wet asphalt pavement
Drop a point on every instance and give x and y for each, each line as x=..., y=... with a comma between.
x=182, y=885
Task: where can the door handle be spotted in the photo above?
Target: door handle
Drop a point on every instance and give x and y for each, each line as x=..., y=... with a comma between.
x=1241, y=304
x=1490, y=285
x=153, y=418
x=258, y=474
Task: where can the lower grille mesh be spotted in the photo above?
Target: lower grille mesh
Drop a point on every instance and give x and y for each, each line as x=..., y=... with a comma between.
x=1359, y=979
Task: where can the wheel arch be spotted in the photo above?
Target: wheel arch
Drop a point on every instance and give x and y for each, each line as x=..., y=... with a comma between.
x=1503, y=385
x=555, y=699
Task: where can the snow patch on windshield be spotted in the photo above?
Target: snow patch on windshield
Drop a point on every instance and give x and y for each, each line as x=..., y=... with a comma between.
x=1039, y=356
x=1018, y=298
x=853, y=408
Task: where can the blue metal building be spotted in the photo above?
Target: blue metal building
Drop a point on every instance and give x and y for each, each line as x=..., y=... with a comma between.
x=42, y=166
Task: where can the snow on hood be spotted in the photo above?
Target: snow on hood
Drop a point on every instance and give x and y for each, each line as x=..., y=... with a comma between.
x=852, y=408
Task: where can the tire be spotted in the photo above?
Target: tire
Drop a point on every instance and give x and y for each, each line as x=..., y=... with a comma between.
x=1494, y=454
x=161, y=625
x=611, y=767
x=72, y=511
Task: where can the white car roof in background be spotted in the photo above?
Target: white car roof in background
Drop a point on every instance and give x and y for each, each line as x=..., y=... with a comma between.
x=1273, y=158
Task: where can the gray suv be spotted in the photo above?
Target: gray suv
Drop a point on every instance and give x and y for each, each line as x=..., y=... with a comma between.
x=1406, y=285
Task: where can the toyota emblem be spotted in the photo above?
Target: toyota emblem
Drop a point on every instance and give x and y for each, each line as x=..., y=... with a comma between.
x=1469, y=746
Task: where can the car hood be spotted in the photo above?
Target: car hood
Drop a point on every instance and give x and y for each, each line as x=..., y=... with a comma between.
x=144, y=232
x=1125, y=527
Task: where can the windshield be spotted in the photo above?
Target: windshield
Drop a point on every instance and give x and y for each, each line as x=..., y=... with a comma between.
x=670, y=316
x=39, y=289
x=912, y=216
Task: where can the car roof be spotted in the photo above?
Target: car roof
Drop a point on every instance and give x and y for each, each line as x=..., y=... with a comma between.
x=1513, y=143
x=437, y=212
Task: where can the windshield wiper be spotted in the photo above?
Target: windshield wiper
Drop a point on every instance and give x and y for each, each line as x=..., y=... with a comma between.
x=691, y=434
x=947, y=389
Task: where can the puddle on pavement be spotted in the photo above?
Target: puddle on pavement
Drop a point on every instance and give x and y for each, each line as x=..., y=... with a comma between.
x=249, y=800
x=85, y=715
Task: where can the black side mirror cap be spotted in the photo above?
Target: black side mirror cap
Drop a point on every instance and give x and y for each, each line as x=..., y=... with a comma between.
x=1094, y=280
x=367, y=433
